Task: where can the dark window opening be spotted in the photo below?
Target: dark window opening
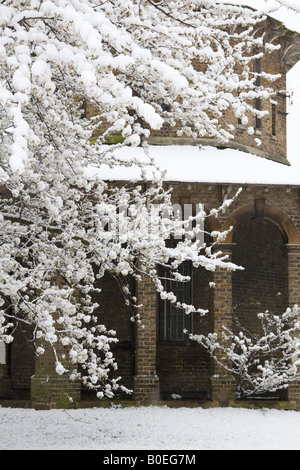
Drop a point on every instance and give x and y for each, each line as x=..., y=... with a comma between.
x=258, y=84
x=258, y=120
x=173, y=321
x=274, y=109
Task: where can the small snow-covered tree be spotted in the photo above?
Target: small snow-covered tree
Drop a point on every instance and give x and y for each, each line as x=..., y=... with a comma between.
x=140, y=64
x=263, y=362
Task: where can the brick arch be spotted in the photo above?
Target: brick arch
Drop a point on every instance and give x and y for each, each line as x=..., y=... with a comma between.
x=260, y=248
x=259, y=209
x=213, y=224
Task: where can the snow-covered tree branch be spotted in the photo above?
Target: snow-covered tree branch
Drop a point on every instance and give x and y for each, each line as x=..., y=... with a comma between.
x=140, y=64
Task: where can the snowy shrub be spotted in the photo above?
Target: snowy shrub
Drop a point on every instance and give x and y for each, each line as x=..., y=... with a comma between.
x=261, y=363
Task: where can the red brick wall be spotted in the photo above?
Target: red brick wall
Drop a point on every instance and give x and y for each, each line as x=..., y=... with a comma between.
x=185, y=369
x=22, y=359
x=271, y=147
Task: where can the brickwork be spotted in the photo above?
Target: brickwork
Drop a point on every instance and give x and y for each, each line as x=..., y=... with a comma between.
x=222, y=383
x=146, y=381
x=48, y=389
x=267, y=223
x=294, y=298
x=267, y=246
x=263, y=283
x=265, y=240
x=272, y=144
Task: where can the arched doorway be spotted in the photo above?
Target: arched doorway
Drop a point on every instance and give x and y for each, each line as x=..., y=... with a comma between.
x=259, y=247
x=259, y=241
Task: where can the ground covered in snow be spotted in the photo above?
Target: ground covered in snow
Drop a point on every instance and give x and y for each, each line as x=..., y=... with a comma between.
x=149, y=428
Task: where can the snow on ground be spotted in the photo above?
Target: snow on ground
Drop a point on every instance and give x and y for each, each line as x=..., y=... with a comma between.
x=162, y=428
x=149, y=428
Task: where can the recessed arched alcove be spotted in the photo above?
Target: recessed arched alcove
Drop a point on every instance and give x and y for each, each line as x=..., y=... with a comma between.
x=259, y=247
x=260, y=235
x=260, y=209
x=265, y=241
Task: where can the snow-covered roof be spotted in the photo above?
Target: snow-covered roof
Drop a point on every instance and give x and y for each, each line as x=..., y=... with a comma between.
x=207, y=165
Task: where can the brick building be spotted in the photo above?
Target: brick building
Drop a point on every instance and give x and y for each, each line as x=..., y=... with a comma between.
x=157, y=361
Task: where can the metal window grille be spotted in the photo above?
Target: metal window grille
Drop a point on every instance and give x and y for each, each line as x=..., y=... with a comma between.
x=173, y=321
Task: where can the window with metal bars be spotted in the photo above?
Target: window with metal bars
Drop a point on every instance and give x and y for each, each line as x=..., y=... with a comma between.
x=258, y=83
x=173, y=321
x=274, y=110
x=258, y=120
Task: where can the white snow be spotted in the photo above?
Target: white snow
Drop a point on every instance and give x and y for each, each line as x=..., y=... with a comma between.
x=227, y=166
x=209, y=165
x=156, y=427
x=149, y=428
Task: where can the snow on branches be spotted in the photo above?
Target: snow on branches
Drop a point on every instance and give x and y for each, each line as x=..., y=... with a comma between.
x=262, y=362
x=140, y=64
x=131, y=59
